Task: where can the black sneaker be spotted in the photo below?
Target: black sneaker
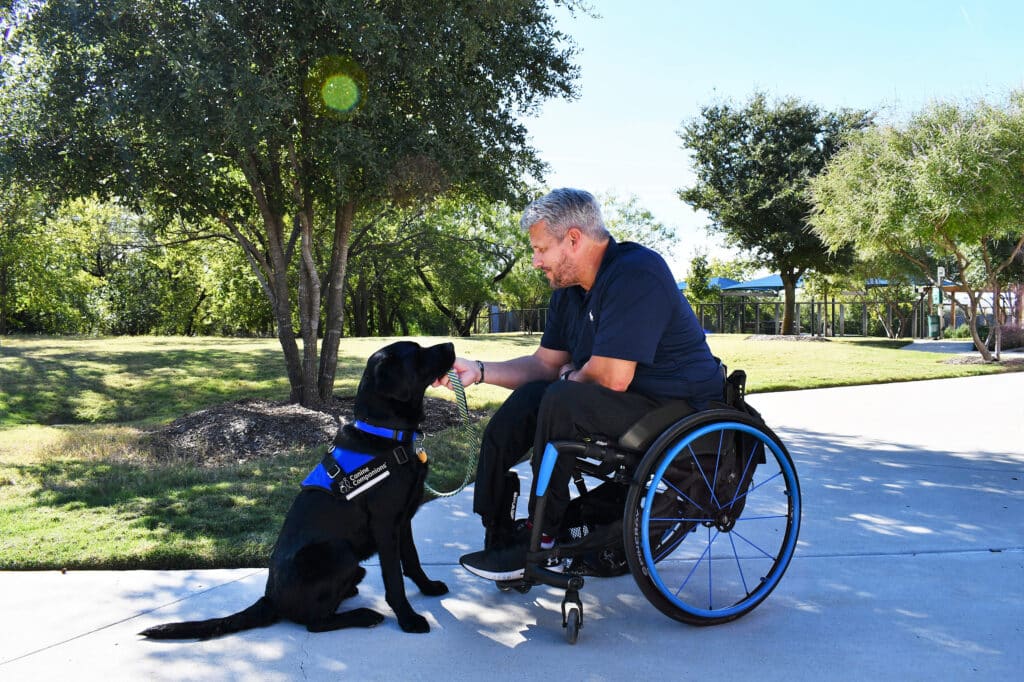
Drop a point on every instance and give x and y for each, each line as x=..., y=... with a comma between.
x=504, y=563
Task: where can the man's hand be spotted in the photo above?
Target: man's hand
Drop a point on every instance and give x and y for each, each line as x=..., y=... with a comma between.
x=468, y=371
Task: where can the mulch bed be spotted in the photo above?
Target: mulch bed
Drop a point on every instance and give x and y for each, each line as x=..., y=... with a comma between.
x=251, y=429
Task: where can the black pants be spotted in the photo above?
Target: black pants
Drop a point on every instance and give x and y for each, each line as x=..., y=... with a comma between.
x=533, y=415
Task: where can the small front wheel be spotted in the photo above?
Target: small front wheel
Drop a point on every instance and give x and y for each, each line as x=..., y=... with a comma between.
x=572, y=625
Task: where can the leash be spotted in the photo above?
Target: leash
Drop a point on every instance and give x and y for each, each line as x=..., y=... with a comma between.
x=460, y=399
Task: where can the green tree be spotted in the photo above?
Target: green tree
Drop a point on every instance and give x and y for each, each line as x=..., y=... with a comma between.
x=21, y=225
x=628, y=220
x=472, y=247
x=946, y=188
x=46, y=283
x=752, y=167
x=698, y=281
x=280, y=121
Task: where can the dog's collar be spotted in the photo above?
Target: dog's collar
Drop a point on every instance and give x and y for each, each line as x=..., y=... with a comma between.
x=383, y=432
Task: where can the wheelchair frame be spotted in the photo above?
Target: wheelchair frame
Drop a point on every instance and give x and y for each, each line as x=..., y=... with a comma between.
x=680, y=484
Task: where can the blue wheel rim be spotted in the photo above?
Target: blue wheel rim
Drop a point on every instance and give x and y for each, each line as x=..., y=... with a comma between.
x=788, y=546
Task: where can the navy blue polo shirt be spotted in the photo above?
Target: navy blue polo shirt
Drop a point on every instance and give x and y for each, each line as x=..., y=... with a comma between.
x=635, y=311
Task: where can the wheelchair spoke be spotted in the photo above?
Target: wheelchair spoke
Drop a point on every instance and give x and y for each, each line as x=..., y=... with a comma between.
x=746, y=467
x=739, y=566
x=683, y=495
x=711, y=488
x=696, y=564
x=751, y=543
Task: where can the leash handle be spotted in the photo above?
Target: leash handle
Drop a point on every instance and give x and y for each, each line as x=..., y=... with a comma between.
x=460, y=394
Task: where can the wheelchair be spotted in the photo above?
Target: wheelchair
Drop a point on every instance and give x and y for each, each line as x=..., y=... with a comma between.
x=710, y=512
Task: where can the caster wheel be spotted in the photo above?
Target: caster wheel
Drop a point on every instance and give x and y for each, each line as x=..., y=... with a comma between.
x=572, y=625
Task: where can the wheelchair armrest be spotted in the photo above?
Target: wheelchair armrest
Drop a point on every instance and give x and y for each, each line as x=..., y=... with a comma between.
x=642, y=434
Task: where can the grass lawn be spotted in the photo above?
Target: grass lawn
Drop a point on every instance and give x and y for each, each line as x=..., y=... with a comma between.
x=78, y=490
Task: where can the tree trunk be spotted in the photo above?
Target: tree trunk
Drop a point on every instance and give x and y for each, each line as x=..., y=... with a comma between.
x=335, y=315
x=465, y=328
x=3, y=300
x=286, y=335
x=309, y=311
x=789, y=303
x=190, y=323
x=996, y=322
x=972, y=321
x=360, y=307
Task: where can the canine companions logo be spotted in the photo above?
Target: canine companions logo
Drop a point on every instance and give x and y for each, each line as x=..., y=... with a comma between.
x=347, y=472
x=362, y=479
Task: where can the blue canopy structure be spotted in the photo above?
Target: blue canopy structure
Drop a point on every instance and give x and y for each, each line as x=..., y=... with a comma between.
x=720, y=282
x=769, y=284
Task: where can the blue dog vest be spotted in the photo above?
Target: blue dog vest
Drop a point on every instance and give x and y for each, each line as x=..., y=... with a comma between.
x=350, y=473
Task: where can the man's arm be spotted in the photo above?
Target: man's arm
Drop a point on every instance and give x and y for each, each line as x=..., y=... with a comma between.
x=611, y=373
x=543, y=364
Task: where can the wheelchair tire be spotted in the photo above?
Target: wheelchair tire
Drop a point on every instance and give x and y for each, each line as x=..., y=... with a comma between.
x=706, y=546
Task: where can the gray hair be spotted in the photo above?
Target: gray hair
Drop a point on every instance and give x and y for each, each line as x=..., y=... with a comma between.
x=564, y=208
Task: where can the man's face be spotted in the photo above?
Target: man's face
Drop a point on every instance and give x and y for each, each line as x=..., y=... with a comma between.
x=553, y=257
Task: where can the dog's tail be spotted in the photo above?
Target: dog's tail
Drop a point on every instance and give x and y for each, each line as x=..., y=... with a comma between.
x=259, y=615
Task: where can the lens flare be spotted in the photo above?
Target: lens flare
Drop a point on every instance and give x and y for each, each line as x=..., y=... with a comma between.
x=336, y=87
x=340, y=93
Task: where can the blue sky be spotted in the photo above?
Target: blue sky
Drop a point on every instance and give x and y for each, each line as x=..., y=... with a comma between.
x=647, y=66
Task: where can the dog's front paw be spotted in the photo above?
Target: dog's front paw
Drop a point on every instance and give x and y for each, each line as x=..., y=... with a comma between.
x=433, y=588
x=413, y=622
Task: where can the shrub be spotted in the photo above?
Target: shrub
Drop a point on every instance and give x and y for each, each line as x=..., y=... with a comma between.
x=963, y=331
x=1013, y=337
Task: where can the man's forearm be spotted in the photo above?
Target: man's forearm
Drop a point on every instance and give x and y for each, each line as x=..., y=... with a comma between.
x=518, y=371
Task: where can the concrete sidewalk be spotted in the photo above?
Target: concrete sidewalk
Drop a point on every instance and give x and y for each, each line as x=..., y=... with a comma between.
x=910, y=566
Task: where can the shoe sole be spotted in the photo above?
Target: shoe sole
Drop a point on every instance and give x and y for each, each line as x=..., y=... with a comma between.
x=503, y=576
x=516, y=574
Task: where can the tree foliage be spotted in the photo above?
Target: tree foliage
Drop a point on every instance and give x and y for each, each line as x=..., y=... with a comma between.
x=753, y=164
x=279, y=122
x=472, y=247
x=628, y=220
x=945, y=189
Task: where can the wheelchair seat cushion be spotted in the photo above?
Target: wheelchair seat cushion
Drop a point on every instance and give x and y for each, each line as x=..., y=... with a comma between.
x=642, y=434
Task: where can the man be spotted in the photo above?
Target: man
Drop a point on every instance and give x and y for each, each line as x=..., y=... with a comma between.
x=620, y=340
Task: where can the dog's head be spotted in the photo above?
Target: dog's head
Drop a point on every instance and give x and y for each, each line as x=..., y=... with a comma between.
x=396, y=377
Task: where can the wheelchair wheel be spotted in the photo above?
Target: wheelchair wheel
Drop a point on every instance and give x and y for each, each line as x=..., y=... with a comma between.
x=713, y=518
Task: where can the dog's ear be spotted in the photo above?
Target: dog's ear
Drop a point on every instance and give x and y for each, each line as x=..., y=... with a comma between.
x=392, y=380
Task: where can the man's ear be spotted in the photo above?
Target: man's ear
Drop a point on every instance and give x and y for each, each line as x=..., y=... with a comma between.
x=574, y=235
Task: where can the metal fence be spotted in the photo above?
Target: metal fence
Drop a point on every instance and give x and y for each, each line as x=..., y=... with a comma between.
x=756, y=316
x=824, y=318
x=524, y=320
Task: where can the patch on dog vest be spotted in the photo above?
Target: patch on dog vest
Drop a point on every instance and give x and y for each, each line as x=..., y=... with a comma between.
x=347, y=473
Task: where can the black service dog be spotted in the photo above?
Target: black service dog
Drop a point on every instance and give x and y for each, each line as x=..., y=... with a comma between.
x=358, y=501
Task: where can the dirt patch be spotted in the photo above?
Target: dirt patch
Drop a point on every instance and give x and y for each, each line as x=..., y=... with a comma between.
x=978, y=360
x=251, y=429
